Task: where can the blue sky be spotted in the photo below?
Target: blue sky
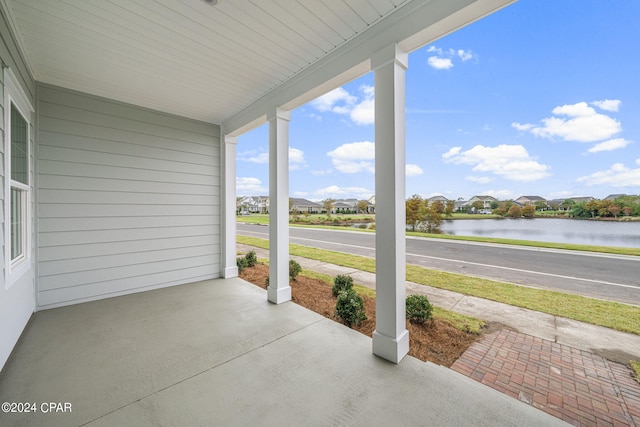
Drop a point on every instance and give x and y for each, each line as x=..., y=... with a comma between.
x=541, y=98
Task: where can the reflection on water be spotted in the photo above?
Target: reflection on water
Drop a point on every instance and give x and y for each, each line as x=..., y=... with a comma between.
x=601, y=233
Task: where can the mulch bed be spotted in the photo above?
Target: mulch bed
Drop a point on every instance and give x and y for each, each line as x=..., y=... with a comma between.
x=436, y=341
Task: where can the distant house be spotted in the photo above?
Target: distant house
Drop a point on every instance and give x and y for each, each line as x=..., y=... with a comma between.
x=372, y=200
x=613, y=196
x=529, y=200
x=253, y=204
x=304, y=205
x=586, y=199
x=350, y=206
x=438, y=199
x=460, y=205
x=344, y=206
x=556, y=204
x=371, y=208
x=486, y=201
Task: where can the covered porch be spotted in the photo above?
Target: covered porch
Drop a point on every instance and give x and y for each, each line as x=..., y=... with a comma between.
x=121, y=121
x=217, y=352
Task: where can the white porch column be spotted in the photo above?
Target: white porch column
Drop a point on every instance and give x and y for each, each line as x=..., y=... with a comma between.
x=279, y=290
x=228, y=211
x=391, y=338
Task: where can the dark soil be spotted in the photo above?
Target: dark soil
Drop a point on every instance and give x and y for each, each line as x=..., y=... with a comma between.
x=435, y=341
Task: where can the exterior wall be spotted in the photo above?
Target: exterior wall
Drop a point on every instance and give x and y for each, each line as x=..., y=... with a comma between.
x=17, y=301
x=128, y=198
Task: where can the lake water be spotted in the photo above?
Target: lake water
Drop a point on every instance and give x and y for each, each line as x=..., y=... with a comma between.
x=601, y=233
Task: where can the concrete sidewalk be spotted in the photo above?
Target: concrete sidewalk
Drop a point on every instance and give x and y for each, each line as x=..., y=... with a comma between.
x=612, y=345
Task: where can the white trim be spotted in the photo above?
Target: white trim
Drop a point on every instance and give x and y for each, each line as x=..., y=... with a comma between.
x=13, y=94
x=12, y=86
x=228, y=212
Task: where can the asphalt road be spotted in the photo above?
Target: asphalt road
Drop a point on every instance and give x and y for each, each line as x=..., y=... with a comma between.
x=611, y=277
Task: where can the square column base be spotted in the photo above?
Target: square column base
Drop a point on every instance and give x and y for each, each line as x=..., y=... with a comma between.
x=391, y=349
x=229, y=272
x=279, y=295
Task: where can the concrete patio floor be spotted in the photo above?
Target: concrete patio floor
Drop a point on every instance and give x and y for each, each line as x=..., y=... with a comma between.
x=217, y=353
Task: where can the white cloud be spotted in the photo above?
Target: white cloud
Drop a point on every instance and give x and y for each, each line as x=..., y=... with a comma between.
x=364, y=113
x=443, y=59
x=440, y=63
x=328, y=101
x=249, y=186
x=253, y=156
x=296, y=159
x=522, y=127
x=360, y=109
x=316, y=172
x=608, y=104
x=512, y=162
x=454, y=151
x=465, y=55
x=618, y=175
x=413, y=170
x=357, y=157
x=479, y=179
x=334, y=191
x=581, y=109
x=610, y=145
x=582, y=123
x=354, y=157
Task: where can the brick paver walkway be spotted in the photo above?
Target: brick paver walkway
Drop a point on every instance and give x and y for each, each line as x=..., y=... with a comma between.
x=576, y=386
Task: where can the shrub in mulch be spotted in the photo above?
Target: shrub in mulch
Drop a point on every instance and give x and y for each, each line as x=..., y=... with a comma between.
x=434, y=341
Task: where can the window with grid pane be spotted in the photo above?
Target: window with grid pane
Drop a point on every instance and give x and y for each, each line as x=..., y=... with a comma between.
x=19, y=184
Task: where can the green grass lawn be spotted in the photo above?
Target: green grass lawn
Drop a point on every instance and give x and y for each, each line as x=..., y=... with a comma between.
x=635, y=366
x=621, y=317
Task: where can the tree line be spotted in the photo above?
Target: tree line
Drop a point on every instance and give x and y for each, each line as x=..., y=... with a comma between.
x=423, y=215
x=622, y=206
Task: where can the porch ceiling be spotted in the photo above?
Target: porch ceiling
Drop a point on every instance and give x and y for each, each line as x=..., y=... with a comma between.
x=207, y=62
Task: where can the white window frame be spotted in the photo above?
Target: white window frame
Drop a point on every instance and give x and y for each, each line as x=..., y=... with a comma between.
x=13, y=94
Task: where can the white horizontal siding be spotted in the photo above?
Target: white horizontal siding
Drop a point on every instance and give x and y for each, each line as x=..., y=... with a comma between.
x=128, y=198
x=66, y=253
x=99, y=290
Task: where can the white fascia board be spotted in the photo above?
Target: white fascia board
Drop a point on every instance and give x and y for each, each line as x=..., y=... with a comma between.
x=412, y=26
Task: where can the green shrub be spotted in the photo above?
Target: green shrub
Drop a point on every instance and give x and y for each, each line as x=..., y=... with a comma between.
x=294, y=269
x=251, y=259
x=350, y=308
x=419, y=309
x=241, y=263
x=266, y=283
x=341, y=283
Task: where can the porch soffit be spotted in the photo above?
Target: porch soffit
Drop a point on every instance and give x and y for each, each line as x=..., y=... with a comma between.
x=224, y=64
